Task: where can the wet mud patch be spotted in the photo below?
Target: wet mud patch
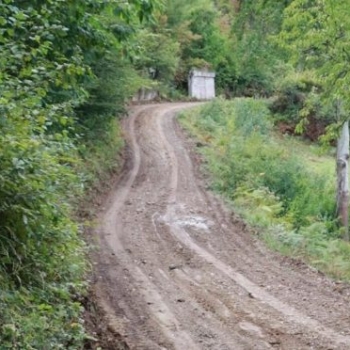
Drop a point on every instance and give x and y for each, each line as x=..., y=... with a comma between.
x=195, y=222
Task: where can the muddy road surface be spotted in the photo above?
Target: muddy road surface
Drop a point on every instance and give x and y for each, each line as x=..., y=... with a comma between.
x=176, y=270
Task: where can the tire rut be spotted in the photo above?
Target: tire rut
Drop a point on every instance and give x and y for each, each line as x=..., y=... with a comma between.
x=176, y=271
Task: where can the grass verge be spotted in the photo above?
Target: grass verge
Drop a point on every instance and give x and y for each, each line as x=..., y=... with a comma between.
x=280, y=185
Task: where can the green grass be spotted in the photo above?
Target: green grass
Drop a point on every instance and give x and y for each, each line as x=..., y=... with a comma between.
x=283, y=186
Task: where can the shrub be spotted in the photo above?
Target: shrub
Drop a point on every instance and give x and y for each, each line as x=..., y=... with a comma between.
x=291, y=93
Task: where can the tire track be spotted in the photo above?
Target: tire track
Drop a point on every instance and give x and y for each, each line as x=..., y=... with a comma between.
x=177, y=273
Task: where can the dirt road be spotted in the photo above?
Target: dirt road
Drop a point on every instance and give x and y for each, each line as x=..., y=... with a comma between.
x=176, y=270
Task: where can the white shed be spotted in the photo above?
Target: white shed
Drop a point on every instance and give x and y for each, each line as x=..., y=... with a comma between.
x=201, y=84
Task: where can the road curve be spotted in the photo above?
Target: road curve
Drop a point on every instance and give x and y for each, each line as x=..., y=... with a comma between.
x=176, y=270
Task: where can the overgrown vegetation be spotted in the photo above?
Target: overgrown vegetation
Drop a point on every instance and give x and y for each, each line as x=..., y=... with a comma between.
x=279, y=184
x=64, y=77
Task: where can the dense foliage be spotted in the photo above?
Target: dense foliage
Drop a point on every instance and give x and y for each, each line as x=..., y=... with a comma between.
x=63, y=78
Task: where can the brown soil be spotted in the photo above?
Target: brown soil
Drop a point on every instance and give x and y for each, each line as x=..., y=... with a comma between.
x=176, y=270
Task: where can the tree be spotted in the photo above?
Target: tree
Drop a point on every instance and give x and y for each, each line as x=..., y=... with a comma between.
x=317, y=33
x=202, y=29
x=254, y=53
x=162, y=65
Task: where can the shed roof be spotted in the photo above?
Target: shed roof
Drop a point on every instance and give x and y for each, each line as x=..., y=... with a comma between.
x=202, y=73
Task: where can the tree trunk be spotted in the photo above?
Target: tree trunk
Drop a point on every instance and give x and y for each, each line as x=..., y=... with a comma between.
x=343, y=178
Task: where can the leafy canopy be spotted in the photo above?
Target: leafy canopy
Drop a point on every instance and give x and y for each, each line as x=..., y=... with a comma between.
x=317, y=33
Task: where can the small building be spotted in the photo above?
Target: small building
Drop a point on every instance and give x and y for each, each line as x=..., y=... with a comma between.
x=201, y=84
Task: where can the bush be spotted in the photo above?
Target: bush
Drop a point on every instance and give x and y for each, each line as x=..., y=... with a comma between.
x=297, y=105
x=33, y=320
x=291, y=93
x=42, y=259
